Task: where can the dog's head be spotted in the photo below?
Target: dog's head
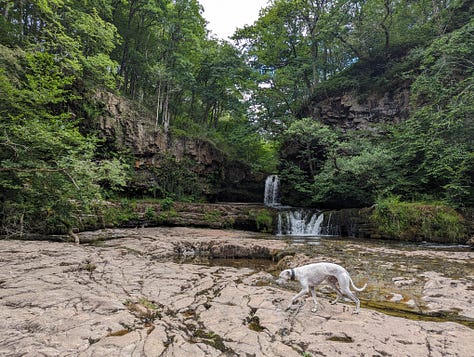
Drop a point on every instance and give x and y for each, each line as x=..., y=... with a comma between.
x=285, y=275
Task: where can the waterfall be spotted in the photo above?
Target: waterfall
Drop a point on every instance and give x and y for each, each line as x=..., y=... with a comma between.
x=272, y=187
x=291, y=221
x=299, y=222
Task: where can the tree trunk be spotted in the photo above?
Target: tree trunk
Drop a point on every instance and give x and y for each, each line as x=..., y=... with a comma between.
x=158, y=104
x=385, y=27
x=166, y=113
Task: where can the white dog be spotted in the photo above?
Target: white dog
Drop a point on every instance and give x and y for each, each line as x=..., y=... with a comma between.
x=314, y=274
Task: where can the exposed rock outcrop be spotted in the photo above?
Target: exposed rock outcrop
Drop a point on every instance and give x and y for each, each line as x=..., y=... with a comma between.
x=349, y=111
x=125, y=127
x=245, y=216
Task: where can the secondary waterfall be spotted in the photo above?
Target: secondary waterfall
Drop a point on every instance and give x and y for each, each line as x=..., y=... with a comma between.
x=299, y=222
x=291, y=221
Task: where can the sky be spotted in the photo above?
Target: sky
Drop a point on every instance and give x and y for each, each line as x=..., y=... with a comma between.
x=225, y=16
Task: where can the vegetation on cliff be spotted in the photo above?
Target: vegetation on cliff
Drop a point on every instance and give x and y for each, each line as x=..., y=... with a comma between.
x=250, y=99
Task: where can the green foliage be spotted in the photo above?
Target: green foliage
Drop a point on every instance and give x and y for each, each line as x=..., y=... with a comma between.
x=150, y=213
x=212, y=216
x=436, y=145
x=313, y=141
x=419, y=221
x=355, y=179
x=307, y=144
x=263, y=219
x=377, y=74
x=429, y=156
x=305, y=45
x=241, y=142
x=176, y=180
x=296, y=188
x=236, y=138
x=166, y=204
x=48, y=174
x=116, y=214
x=334, y=169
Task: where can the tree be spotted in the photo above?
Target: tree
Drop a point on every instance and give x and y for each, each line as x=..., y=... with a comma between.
x=48, y=173
x=305, y=43
x=436, y=144
x=329, y=168
x=220, y=81
x=161, y=47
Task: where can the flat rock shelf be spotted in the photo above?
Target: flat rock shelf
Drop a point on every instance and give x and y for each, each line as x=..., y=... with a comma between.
x=170, y=292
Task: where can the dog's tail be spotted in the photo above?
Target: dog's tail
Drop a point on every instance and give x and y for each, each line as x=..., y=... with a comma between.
x=356, y=288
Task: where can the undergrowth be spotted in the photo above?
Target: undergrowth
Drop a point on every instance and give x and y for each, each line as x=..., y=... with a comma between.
x=419, y=221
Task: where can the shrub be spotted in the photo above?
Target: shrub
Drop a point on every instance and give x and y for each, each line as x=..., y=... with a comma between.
x=417, y=221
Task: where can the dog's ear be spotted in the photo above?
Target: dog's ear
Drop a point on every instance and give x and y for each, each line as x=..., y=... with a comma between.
x=286, y=274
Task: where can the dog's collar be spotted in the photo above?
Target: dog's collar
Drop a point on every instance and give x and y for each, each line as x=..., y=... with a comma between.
x=292, y=271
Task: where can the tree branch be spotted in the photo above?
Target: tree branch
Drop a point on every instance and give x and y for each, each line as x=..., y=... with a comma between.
x=41, y=169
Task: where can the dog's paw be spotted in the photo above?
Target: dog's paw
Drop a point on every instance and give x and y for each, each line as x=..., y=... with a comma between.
x=314, y=309
x=355, y=312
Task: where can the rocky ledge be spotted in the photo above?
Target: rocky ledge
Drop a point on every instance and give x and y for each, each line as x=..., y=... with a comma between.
x=145, y=293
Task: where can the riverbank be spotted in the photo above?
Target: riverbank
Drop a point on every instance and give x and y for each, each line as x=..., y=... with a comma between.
x=180, y=291
x=419, y=223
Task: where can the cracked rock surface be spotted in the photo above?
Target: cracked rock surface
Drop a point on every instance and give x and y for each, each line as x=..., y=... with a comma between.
x=130, y=297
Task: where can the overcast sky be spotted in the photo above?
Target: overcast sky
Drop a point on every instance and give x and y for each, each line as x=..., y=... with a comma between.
x=225, y=16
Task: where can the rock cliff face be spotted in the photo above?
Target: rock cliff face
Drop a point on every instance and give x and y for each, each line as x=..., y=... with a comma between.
x=126, y=127
x=349, y=111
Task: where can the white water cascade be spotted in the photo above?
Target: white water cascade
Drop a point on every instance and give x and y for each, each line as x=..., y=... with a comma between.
x=299, y=222
x=272, y=187
x=291, y=221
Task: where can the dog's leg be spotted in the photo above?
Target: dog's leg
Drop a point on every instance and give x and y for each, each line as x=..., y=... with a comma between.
x=354, y=298
x=297, y=296
x=313, y=293
x=332, y=283
x=344, y=282
x=347, y=292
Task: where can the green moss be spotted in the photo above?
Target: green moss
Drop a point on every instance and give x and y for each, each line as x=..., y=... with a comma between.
x=144, y=309
x=210, y=338
x=263, y=220
x=253, y=321
x=393, y=309
x=254, y=324
x=212, y=216
x=147, y=303
x=113, y=215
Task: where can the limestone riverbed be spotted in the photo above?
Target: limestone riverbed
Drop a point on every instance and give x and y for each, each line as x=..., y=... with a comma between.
x=202, y=292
